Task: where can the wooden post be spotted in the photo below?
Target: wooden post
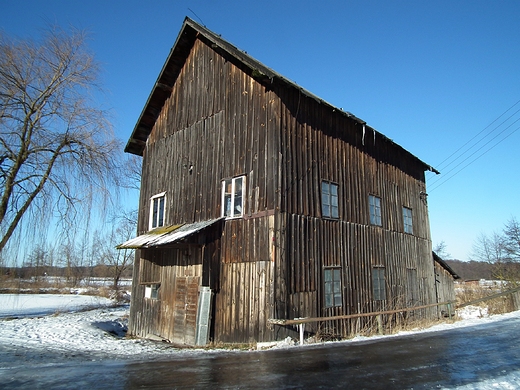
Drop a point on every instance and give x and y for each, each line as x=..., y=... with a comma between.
x=379, y=324
x=302, y=330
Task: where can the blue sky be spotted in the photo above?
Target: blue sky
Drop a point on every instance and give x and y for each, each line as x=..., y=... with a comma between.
x=431, y=75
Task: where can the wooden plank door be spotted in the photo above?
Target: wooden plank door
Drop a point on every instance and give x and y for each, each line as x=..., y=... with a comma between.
x=185, y=309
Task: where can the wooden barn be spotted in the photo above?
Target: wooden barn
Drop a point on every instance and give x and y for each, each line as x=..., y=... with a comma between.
x=444, y=277
x=262, y=201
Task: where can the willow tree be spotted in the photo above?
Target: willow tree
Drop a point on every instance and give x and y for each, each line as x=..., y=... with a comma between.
x=57, y=149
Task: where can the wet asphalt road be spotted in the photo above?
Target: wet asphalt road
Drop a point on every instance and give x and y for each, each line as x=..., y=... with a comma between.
x=447, y=359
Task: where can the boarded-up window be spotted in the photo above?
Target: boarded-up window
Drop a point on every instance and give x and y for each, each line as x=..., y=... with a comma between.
x=329, y=200
x=412, y=287
x=375, y=210
x=332, y=285
x=378, y=283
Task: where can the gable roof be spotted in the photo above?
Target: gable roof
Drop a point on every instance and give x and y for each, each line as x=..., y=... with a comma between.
x=180, y=51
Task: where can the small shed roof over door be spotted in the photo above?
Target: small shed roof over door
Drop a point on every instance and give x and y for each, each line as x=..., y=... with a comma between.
x=166, y=235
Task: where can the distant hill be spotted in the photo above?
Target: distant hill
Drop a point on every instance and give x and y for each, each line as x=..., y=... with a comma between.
x=471, y=270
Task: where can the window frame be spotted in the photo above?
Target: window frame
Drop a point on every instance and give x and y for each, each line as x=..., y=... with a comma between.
x=333, y=297
x=151, y=291
x=375, y=210
x=407, y=220
x=233, y=195
x=379, y=283
x=154, y=222
x=329, y=197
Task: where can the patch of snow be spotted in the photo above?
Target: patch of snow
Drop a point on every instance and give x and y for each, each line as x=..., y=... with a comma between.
x=470, y=312
x=59, y=326
x=27, y=305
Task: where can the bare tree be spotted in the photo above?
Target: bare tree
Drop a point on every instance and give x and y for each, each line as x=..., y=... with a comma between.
x=512, y=239
x=501, y=251
x=119, y=260
x=489, y=248
x=440, y=250
x=57, y=149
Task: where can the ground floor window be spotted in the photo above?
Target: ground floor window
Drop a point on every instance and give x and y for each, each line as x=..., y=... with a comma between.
x=151, y=291
x=378, y=283
x=332, y=285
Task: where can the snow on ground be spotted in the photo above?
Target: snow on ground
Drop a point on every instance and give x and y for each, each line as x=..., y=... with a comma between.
x=37, y=329
x=30, y=305
x=58, y=326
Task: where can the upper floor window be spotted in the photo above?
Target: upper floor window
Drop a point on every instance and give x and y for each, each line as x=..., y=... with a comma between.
x=157, y=204
x=233, y=191
x=329, y=200
x=407, y=220
x=375, y=210
x=332, y=287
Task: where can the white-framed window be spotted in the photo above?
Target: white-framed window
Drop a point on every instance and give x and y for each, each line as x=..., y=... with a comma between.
x=332, y=286
x=151, y=291
x=329, y=200
x=374, y=203
x=233, y=191
x=157, y=210
x=407, y=220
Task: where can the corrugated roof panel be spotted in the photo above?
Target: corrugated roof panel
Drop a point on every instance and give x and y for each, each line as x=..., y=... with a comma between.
x=164, y=236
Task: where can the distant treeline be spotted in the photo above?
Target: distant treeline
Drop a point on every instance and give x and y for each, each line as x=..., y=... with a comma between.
x=101, y=271
x=476, y=270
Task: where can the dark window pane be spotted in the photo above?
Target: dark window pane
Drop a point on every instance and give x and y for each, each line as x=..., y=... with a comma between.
x=160, y=221
x=155, y=207
x=328, y=275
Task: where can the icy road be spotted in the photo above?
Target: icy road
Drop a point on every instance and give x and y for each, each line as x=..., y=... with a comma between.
x=65, y=352
x=483, y=356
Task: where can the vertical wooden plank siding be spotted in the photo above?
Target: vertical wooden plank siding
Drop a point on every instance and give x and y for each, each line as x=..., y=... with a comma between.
x=220, y=122
x=445, y=286
x=317, y=145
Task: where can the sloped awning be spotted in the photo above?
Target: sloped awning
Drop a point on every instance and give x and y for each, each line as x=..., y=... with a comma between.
x=166, y=235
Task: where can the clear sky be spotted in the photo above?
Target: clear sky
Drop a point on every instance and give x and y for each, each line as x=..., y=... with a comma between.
x=431, y=75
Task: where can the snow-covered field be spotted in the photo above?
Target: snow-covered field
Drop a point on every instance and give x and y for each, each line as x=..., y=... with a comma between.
x=35, y=326
x=70, y=326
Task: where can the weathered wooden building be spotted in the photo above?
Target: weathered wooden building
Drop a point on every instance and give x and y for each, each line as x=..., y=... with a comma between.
x=273, y=202
x=444, y=277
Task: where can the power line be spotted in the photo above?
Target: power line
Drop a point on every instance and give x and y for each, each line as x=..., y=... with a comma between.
x=462, y=151
x=438, y=184
x=440, y=165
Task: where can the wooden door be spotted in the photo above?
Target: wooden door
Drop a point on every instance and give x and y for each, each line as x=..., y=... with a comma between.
x=185, y=309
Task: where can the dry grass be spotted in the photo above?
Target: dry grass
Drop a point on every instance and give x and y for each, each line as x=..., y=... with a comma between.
x=471, y=292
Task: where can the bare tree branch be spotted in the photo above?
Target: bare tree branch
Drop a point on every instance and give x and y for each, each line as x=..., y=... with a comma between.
x=55, y=143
